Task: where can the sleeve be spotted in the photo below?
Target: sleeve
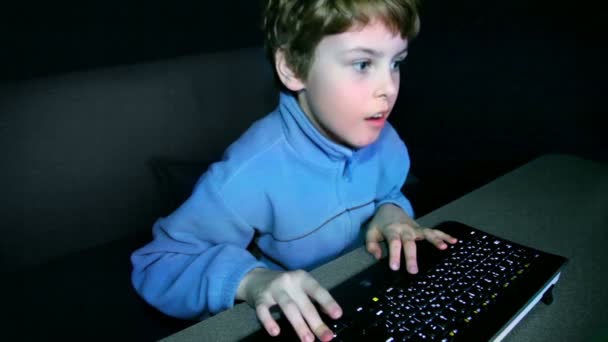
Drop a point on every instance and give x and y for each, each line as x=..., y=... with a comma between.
x=395, y=164
x=197, y=257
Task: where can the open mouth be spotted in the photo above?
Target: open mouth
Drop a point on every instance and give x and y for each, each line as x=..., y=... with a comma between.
x=377, y=117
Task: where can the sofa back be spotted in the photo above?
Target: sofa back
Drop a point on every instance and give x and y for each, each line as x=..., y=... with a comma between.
x=76, y=148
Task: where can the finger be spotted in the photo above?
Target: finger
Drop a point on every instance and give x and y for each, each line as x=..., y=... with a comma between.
x=394, y=251
x=311, y=316
x=372, y=238
x=294, y=316
x=374, y=249
x=411, y=233
x=418, y=233
x=439, y=238
x=447, y=237
x=314, y=290
x=434, y=237
x=409, y=250
x=320, y=295
x=265, y=317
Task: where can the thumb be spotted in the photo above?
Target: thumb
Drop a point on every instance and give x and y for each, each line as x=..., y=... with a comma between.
x=372, y=237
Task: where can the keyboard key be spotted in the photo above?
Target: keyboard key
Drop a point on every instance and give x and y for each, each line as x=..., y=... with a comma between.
x=446, y=299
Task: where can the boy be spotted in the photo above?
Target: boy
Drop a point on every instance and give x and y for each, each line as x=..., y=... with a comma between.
x=302, y=181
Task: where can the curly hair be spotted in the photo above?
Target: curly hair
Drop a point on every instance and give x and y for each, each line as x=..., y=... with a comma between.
x=297, y=26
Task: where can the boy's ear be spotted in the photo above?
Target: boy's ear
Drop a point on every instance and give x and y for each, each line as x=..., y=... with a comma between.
x=285, y=72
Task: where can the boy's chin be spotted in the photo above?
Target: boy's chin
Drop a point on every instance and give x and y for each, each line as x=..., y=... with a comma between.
x=356, y=145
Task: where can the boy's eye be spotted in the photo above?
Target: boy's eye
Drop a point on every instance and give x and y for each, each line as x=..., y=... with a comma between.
x=397, y=64
x=362, y=65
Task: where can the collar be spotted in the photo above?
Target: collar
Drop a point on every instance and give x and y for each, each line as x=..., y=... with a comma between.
x=305, y=138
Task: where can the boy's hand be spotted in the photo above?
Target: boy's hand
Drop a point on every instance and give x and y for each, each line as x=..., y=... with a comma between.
x=392, y=224
x=292, y=292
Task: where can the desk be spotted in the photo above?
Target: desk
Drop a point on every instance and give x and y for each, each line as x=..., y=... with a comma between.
x=556, y=203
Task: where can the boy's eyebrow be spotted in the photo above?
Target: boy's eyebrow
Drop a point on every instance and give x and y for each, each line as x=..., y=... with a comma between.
x=373, y=52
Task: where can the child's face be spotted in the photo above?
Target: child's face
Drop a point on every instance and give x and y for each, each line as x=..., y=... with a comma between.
x=353, y=83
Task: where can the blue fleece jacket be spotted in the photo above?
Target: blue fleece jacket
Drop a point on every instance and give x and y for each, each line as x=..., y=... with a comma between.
x=303, y=197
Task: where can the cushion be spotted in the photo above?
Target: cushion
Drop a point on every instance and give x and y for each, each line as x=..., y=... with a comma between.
x=176, y=179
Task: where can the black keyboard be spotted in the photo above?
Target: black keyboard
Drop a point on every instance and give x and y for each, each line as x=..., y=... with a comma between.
x=468, y=292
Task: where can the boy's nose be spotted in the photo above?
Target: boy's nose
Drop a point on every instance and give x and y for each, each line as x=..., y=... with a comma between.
x=388, y=85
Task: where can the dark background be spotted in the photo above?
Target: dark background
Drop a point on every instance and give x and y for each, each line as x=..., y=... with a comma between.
x=488, y=85
x=42, y=38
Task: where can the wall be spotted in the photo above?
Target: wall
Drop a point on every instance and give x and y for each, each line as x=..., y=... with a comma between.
x=42, y=38
x=487, y=86
x=490, y=85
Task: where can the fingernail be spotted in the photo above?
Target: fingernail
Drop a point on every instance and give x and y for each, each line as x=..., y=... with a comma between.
x=328, y=335
x=394, y=266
